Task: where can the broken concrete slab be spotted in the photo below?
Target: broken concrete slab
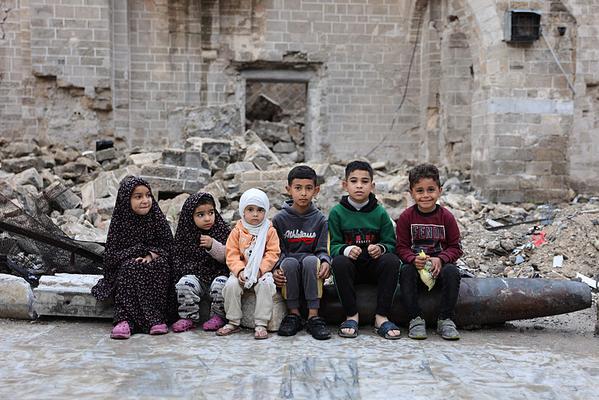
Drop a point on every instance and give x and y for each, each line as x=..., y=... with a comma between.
x=84, y=231
x=272, y=132
x=20, y=164
x=28, y=177
x=173, y=157
x=284, y=147
x=16, y=298
x=237, y=168
x=69, y=295
x=144, y=158
x=105, y=185
x=258, y=153
x=106, y=154
x=199, y=121
x=21, y=149
x=61, y=197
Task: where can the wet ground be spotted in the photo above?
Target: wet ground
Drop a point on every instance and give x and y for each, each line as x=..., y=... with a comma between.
x=547, y=358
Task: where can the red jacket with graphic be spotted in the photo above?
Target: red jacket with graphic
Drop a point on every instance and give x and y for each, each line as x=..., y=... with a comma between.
x=436, y=233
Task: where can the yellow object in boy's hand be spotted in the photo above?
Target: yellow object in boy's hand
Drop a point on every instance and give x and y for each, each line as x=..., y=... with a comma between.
x=425, y=274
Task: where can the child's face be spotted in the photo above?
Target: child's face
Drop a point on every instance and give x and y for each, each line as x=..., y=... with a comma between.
x=302, y=191
x=141, y=200
x=425, y=193
x=358, y=185
x=254, y=215
x=204, y=216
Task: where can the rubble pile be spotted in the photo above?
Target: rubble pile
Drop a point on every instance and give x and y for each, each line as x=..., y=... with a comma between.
x=77, y=190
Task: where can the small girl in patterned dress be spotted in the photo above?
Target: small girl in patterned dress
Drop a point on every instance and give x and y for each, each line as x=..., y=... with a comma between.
x=137, y=274
x=199, y=261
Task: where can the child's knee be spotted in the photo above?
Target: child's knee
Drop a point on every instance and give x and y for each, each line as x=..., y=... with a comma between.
x=390, y=260
x=188, y=283
x=232, y=286
x=218, y=283
x=310, y=264
x=341, y=262
x=408, y=271
x=289, y=265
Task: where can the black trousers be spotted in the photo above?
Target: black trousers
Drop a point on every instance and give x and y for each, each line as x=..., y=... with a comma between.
x=384, y=272
x=410, y=285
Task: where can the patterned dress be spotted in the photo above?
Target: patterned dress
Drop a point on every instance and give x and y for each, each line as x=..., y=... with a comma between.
x=143, y=294
x=191, y=259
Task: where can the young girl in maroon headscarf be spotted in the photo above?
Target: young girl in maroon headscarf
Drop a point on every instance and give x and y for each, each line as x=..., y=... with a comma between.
x=137, y=274
x=199, y=261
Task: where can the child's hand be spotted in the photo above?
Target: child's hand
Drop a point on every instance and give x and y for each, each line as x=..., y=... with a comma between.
x=279, y=277
x=154, y=255
x=355, y=252
x=374, y=250
x=241, y=278
x=206, y=242
x=325, y=271
x=420, y=262
x=144, y=260
x=437, y=264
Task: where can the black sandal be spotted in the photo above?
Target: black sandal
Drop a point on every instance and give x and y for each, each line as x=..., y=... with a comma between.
x=349, y=324
x=291, y=324
x=318, y=328
x=383, y=330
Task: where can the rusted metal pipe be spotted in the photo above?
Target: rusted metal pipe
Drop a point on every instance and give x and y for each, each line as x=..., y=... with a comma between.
x=482, y=301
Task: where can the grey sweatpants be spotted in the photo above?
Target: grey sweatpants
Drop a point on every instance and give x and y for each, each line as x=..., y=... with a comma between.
x=190, y=291
x=302, y=273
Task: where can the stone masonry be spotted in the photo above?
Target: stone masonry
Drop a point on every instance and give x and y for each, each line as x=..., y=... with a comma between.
x=401, y=80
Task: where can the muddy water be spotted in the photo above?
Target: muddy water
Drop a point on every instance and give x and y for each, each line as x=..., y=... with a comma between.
x=76, y=359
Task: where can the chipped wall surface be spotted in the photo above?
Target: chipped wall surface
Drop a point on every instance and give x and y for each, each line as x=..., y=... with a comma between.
x=400, y=80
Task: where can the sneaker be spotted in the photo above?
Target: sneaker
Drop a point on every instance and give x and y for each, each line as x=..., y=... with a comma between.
x=182, y=325
x=159, y=329
x=214, y=323
x=121, y=331
x=447, y=329
x=291, y=324
x=318, y=328
x=417, y=329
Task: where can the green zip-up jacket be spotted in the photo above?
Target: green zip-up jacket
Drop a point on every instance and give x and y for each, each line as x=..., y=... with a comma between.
x=369, y=225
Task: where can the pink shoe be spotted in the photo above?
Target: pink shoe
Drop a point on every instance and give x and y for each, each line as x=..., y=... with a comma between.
x=159, y=329
x=121, y=331
x=214, y=323
x=182, y=325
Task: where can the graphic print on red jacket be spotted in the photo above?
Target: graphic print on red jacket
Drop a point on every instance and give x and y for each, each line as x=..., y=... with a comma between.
x=436, y=233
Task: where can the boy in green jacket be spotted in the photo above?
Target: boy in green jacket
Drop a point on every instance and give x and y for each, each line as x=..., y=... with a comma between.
x=362, y=244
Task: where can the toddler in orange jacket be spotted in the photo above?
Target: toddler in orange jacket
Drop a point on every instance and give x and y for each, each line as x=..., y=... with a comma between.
x=252, y=251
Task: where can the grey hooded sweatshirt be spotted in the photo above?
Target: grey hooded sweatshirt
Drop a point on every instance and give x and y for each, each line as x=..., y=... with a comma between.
x=301, y=235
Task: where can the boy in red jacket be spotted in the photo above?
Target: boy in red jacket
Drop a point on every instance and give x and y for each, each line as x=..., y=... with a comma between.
x=432, y=229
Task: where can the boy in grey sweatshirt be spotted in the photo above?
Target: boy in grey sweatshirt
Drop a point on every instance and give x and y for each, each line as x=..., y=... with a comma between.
x=304, y=262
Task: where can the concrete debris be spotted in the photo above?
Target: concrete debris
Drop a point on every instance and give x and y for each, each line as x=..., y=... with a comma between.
x=264, y=108
x=106, y=154
x=79, y=192
x=144, y=158
x=61, y=197
x=28, y=177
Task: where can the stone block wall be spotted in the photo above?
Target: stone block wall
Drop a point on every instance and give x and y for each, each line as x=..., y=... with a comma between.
x=73, y=71
x=584, y=136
